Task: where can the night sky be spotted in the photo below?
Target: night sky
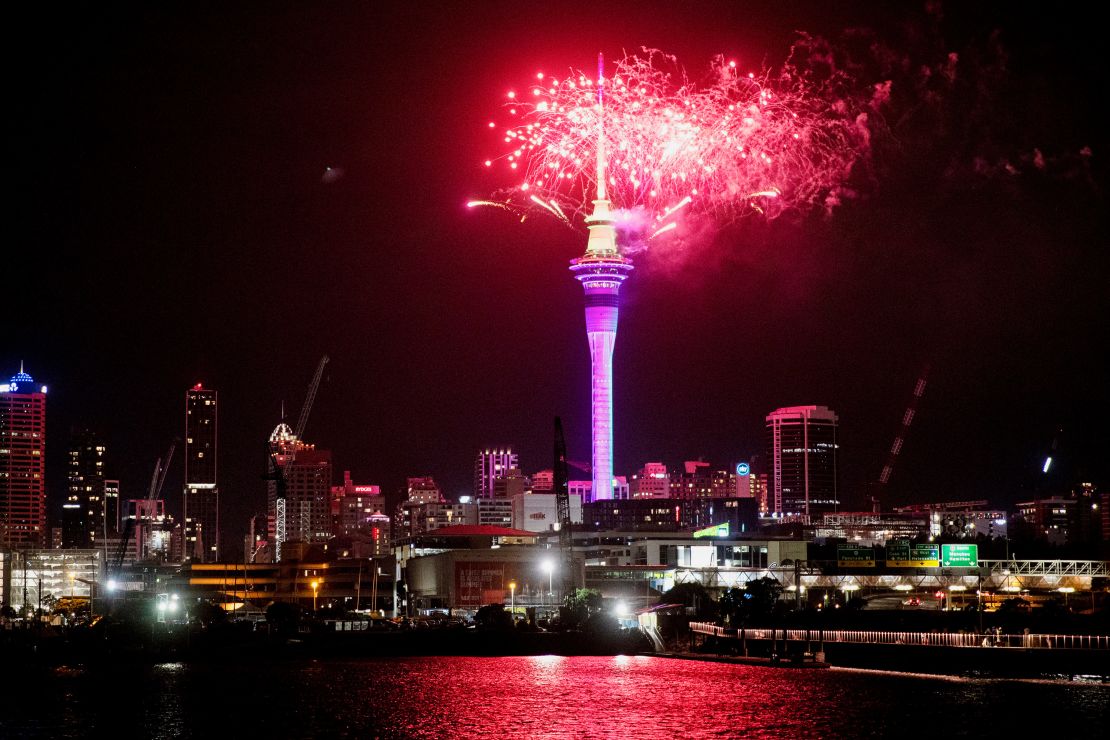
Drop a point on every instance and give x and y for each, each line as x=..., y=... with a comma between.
x=170, y=222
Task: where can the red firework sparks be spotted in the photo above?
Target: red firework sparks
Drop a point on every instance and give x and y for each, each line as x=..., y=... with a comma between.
x=741, y=142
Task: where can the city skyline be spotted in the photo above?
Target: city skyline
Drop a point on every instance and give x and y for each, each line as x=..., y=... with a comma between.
x=279, y=217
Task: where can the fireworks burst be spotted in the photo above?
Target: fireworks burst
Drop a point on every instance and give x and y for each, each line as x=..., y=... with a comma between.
x=649, y=139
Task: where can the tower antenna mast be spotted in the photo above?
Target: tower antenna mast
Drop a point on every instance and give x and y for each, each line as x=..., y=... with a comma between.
x=601, y=195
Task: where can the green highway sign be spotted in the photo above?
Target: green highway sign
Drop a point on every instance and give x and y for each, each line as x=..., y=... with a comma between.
x=905, y=555
x=959, y=556
x=856, y=557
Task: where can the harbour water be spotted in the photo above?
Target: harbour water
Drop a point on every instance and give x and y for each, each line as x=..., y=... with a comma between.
x=531, y=697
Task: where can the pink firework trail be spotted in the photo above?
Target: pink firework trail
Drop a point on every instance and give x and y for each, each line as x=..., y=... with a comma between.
x=665, y=147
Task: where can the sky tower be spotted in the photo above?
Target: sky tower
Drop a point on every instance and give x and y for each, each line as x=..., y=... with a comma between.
x=601, y=270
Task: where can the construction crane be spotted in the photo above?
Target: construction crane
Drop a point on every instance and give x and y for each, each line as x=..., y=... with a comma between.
x=310, y=397
x=562, y=505
x=157, y=480
x=896, y=447
x=276, y=473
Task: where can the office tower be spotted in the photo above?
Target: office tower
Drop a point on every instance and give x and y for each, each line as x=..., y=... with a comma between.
x=423, y=491
x=543, y=481
x=202, y=497
x=111, y=507
x=354, y=507
x=22, y=462
x=84, y=521
x=651, y=481
x=512, y=483
x=299, y=496
x=695, y=481
x=801, y=447
x=491, y=464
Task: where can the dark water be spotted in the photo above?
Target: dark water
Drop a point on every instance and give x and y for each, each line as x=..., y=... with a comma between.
x=544, y=697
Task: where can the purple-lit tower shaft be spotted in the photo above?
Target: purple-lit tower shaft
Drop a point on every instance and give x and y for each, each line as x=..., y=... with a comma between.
x=601, y=271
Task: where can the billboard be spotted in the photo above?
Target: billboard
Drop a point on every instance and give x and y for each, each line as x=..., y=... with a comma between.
x=959, y=556
x=717, y=530
x=479, y=583
x=905, y=555
x=855, y=557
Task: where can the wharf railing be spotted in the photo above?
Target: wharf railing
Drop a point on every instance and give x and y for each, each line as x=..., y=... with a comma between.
x=926, y=639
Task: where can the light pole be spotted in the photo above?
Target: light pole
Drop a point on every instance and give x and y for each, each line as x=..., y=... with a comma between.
x=549, y=566
x=512, y=598
x=1065, y=590
x=315, y=587
x=980, y=600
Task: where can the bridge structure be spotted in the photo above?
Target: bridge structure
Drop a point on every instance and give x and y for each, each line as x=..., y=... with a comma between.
x=1003, y=576
x=925, y=639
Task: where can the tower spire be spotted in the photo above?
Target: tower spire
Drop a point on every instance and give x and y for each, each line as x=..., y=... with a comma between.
x=603, y=235
x=600, y=128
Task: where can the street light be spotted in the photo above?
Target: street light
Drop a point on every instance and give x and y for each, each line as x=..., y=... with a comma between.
x=315, y=587
x=512, y=598
x=549, y=566
x=953, y=589
x=1065, y=590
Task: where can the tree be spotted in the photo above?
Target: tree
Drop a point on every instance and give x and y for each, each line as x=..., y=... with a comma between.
x=493, y=617
x=752, y=604
x=209, y=614
x=731, y=606
x=1012, y=606
x=691, y=595
x=578, y=608
x=283, y=617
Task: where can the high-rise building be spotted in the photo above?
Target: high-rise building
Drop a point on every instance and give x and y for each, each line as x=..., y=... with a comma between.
x=543, y=480
x=112, y=510
x=695, y=481
x=356, y=508
x=202, y=497
x=491, y=464
x=299, y=492
x=423, y=491
x=22, y=462
x=83, y=514
x=801, y=448
x=651, y=481
x=601, y=270
x=512, y=483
